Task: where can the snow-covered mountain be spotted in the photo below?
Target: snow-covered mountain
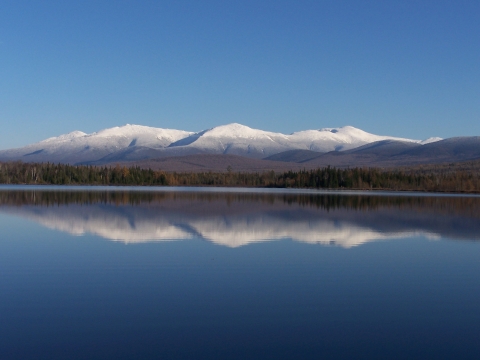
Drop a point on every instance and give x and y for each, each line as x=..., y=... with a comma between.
x=80, y=147
x=135, y=142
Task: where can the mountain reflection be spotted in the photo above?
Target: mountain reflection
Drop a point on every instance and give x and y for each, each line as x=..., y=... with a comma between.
x=236, y=219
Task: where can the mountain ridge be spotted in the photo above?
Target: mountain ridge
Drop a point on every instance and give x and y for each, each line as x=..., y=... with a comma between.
x=138, y=142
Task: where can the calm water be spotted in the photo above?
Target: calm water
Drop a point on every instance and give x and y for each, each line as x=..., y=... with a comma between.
x=195, y=273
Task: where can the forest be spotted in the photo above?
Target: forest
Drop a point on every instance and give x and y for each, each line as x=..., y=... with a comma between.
x=435, y=179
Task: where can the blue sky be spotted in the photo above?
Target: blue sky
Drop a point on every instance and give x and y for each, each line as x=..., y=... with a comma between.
x=401, y=68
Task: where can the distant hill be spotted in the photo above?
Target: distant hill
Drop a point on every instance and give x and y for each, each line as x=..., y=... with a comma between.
x=294, y=156
x=452, y=149
x=394, y=153
x=215, y=163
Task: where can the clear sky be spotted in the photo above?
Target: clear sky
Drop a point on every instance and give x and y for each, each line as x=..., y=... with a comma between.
x=401, y=68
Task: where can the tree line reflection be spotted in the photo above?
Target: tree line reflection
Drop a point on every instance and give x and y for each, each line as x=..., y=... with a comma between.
x=467, y=205
x=235, y=219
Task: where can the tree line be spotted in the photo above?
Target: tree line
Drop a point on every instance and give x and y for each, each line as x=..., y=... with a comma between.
x=322, y=178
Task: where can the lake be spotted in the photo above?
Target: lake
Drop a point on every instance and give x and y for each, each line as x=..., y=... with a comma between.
x=192, y=273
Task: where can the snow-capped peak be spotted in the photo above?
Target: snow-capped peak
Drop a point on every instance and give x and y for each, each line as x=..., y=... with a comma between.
x=126, y=130
x=145, y=134
x=235, y=130
x=65, y=137
x=345, y=128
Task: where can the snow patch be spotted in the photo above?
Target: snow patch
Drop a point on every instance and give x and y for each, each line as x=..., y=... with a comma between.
x=430, y=140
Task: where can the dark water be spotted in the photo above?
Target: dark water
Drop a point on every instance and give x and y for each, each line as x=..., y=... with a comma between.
x=95, y=274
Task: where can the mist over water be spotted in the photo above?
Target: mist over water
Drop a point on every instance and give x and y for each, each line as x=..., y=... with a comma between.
x=208, y=273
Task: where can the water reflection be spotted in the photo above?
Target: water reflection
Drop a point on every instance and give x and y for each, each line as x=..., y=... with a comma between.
x=236, y=219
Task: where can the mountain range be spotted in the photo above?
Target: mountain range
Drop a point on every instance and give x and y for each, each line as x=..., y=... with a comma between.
x=344, y=146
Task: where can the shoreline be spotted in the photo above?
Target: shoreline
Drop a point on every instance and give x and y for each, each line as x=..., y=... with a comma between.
x=236, y=189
